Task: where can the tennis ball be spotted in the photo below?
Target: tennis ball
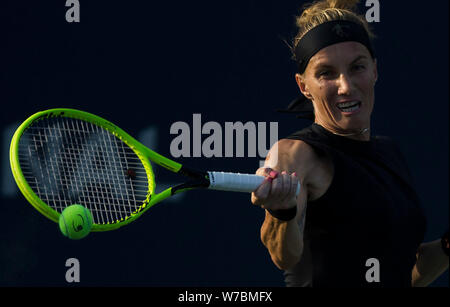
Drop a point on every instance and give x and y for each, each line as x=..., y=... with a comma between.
x=75, y=222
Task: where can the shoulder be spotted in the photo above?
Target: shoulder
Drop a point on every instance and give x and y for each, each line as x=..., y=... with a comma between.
x=292, y=155
x=388, y=147
x=296, y=150
x=315, y=171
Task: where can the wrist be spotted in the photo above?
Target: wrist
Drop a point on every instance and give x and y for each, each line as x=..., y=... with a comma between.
x=284, y=214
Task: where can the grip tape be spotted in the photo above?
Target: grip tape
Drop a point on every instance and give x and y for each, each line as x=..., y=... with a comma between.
x=236, y=182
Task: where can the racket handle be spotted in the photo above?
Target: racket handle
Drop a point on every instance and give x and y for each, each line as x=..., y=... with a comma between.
x=237, y=182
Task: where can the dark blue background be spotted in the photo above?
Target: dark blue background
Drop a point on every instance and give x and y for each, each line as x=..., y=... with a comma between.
x=142, y=64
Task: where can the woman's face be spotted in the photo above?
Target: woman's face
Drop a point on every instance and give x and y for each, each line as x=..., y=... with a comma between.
x=340, y=81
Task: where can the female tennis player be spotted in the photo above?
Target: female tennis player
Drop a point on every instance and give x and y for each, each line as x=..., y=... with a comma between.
x=357, y=221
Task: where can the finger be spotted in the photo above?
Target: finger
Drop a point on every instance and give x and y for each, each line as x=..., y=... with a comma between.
x=294, y=184
x=262, y=192
x=277, y=187
x=273, y=174
x=263, y=171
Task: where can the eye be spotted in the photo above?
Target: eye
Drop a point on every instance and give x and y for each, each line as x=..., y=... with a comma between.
x=358, y=67
x=325, y=74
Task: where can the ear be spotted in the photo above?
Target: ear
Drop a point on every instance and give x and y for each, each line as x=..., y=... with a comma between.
x=302, y=86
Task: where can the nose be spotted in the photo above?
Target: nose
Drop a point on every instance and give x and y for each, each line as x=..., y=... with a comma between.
x=344, y=85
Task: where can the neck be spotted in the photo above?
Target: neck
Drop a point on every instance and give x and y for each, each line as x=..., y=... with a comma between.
x=360, y=134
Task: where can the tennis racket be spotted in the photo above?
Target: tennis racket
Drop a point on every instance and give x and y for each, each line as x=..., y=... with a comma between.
x=61, y=157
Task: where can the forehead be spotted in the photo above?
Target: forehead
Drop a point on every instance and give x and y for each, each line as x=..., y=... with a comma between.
x=339, y=53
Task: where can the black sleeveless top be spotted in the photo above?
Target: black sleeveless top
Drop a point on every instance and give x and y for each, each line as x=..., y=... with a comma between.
x=369, y=211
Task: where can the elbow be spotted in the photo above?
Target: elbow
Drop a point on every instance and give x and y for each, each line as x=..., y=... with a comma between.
x=420, y=281
x=288, y=260
x=285, y=265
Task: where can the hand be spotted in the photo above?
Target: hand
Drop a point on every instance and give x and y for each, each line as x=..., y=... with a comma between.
x=277, y=191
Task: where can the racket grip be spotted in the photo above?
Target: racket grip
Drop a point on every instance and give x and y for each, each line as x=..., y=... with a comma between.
x=237, y=182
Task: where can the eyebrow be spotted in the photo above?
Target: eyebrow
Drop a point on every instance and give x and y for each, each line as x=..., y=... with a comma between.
x=324, y=65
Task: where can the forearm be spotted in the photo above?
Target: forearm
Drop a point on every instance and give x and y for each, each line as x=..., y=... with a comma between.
x=431, y=263
x=283, y=240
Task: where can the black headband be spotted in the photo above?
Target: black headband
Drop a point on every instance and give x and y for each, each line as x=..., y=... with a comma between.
x=327, y=34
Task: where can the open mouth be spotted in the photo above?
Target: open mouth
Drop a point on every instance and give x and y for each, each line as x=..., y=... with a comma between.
x=349, y=107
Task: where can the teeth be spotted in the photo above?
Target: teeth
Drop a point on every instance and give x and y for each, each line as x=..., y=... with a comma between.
x=347, y=104
x=351, y=109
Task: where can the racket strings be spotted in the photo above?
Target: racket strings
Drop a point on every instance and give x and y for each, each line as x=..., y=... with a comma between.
x=67, y=161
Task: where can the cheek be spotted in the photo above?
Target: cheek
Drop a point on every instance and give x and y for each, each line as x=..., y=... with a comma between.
x=366, y=85
x=324, y=90
x=324, y=104
x=329, y=94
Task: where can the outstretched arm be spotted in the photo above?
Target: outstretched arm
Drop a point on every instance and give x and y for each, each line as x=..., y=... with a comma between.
x=284, y=237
